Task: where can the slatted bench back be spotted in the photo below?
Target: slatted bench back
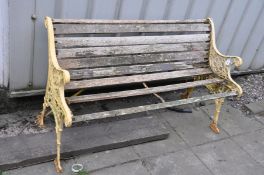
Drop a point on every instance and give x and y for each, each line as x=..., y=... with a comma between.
x=109, y=52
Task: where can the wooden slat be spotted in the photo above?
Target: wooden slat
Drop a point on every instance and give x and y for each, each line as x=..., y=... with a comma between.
x=127, y=70
x=136, y=78
x=131, y=59
x=122, y=50
x=98, y=21
x=132, y=110
x=71, y=42
x=128, y=28
x=137, y=92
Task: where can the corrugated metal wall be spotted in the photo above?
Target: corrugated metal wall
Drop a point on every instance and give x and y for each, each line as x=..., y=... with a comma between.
x=3, y=43
x=239, y=28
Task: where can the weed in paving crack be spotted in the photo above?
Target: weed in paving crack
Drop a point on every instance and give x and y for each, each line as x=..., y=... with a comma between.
x=82, y=172
x=1, y=172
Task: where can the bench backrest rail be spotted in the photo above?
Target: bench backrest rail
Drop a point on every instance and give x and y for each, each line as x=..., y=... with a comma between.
x=110, y=52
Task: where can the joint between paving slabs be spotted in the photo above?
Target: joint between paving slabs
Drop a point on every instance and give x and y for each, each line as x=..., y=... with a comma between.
x=219, y=125
x=188, y=146
x=230, y=136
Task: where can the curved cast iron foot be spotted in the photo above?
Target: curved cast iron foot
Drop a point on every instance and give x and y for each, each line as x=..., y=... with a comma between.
x=214, y=128
x=58, y=166
x=40, y=120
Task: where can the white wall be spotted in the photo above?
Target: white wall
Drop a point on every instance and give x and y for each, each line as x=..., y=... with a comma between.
x=4, y=56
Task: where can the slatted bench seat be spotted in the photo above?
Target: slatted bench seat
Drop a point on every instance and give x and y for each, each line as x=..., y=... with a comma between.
x=86, y=54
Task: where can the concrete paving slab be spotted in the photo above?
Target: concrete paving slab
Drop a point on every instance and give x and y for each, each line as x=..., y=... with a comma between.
x=260, y=117
x=31, y=149
x=225, y=157
x=133, y=168
x=233, y=121
x=42, y=169
x=172, y=144
x=253, y=143
x=108, y=158
x=182, y=162
x=256, y=107
x=193, y=127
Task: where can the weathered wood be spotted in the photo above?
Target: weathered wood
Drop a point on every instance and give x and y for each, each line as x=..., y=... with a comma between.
x=202, y=64
x=127, y=70
x=136, y=78
x=96, y=21
x=71, y=42
x=72, y=63
x=137, y=92
x=122, y=50
x=26, y=93
x=128, y=28
x=121, y=112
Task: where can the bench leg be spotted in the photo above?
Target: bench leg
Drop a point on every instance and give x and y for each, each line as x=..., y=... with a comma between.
x=58, y=128
x=218, y=104
x=41, y=116
x=187, y=93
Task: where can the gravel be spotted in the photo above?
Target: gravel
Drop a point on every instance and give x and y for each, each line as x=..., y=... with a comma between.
x=21, y=122
x=253, y=91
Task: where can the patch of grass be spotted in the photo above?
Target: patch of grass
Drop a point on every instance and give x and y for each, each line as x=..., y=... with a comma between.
x=83, y=172
x=1, y=172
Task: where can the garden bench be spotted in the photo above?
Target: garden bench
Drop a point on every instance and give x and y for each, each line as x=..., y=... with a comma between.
x=85, y=54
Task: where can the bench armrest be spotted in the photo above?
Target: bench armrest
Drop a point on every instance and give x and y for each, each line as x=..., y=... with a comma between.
x=221, y=64
x=57, y=78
